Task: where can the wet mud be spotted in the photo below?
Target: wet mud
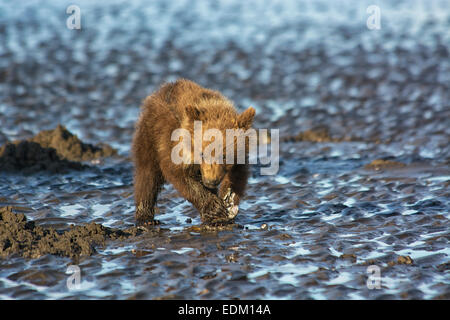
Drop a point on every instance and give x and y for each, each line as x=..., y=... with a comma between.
x=364, y=153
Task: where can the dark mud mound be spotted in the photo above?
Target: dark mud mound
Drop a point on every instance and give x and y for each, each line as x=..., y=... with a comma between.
x=51, y=150
x=68, y=146
x=320, y=134
x=30, y=157
x=380, y=164
x=19, y=236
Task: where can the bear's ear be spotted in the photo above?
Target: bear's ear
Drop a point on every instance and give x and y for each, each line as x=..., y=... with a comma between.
x=245, y=119
x=193, y=113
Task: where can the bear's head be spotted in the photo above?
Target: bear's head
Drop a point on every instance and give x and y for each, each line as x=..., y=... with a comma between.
x=208, y=126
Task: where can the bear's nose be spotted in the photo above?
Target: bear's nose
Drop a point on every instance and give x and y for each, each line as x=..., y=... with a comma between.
x=211, y=183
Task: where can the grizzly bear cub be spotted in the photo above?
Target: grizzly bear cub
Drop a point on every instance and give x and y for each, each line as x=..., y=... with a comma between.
x=177, y=105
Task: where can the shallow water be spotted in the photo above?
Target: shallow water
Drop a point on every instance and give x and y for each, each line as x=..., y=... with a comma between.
x=381, y=94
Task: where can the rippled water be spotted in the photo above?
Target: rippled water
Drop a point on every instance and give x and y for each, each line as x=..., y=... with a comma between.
x=381, y=94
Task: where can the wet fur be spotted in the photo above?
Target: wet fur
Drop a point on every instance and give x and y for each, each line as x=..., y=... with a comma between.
x=173, y=106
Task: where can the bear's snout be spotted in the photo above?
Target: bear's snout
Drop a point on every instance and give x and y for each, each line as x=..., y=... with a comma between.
x=211, y=184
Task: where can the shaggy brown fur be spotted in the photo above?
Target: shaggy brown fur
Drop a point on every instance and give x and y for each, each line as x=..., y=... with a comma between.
x=177, y=105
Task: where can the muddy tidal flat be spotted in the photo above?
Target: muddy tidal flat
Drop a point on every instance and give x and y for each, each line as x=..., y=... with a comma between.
x=364, y=151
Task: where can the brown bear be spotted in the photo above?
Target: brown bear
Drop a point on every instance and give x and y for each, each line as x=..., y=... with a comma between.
x=177, y=105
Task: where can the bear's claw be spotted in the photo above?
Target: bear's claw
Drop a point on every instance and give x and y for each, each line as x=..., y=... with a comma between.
x=229, y=204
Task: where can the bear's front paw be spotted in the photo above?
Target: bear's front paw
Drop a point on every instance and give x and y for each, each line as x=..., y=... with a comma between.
x=228, y=199
x=215, y=211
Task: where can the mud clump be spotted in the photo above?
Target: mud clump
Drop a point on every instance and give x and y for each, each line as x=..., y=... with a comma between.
x=380, y=164
x=68, y=146
x=349, y=256
x=316, y=135
x=31, y=157
x=401, y=260
x=22, y=237
x=52, y=150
